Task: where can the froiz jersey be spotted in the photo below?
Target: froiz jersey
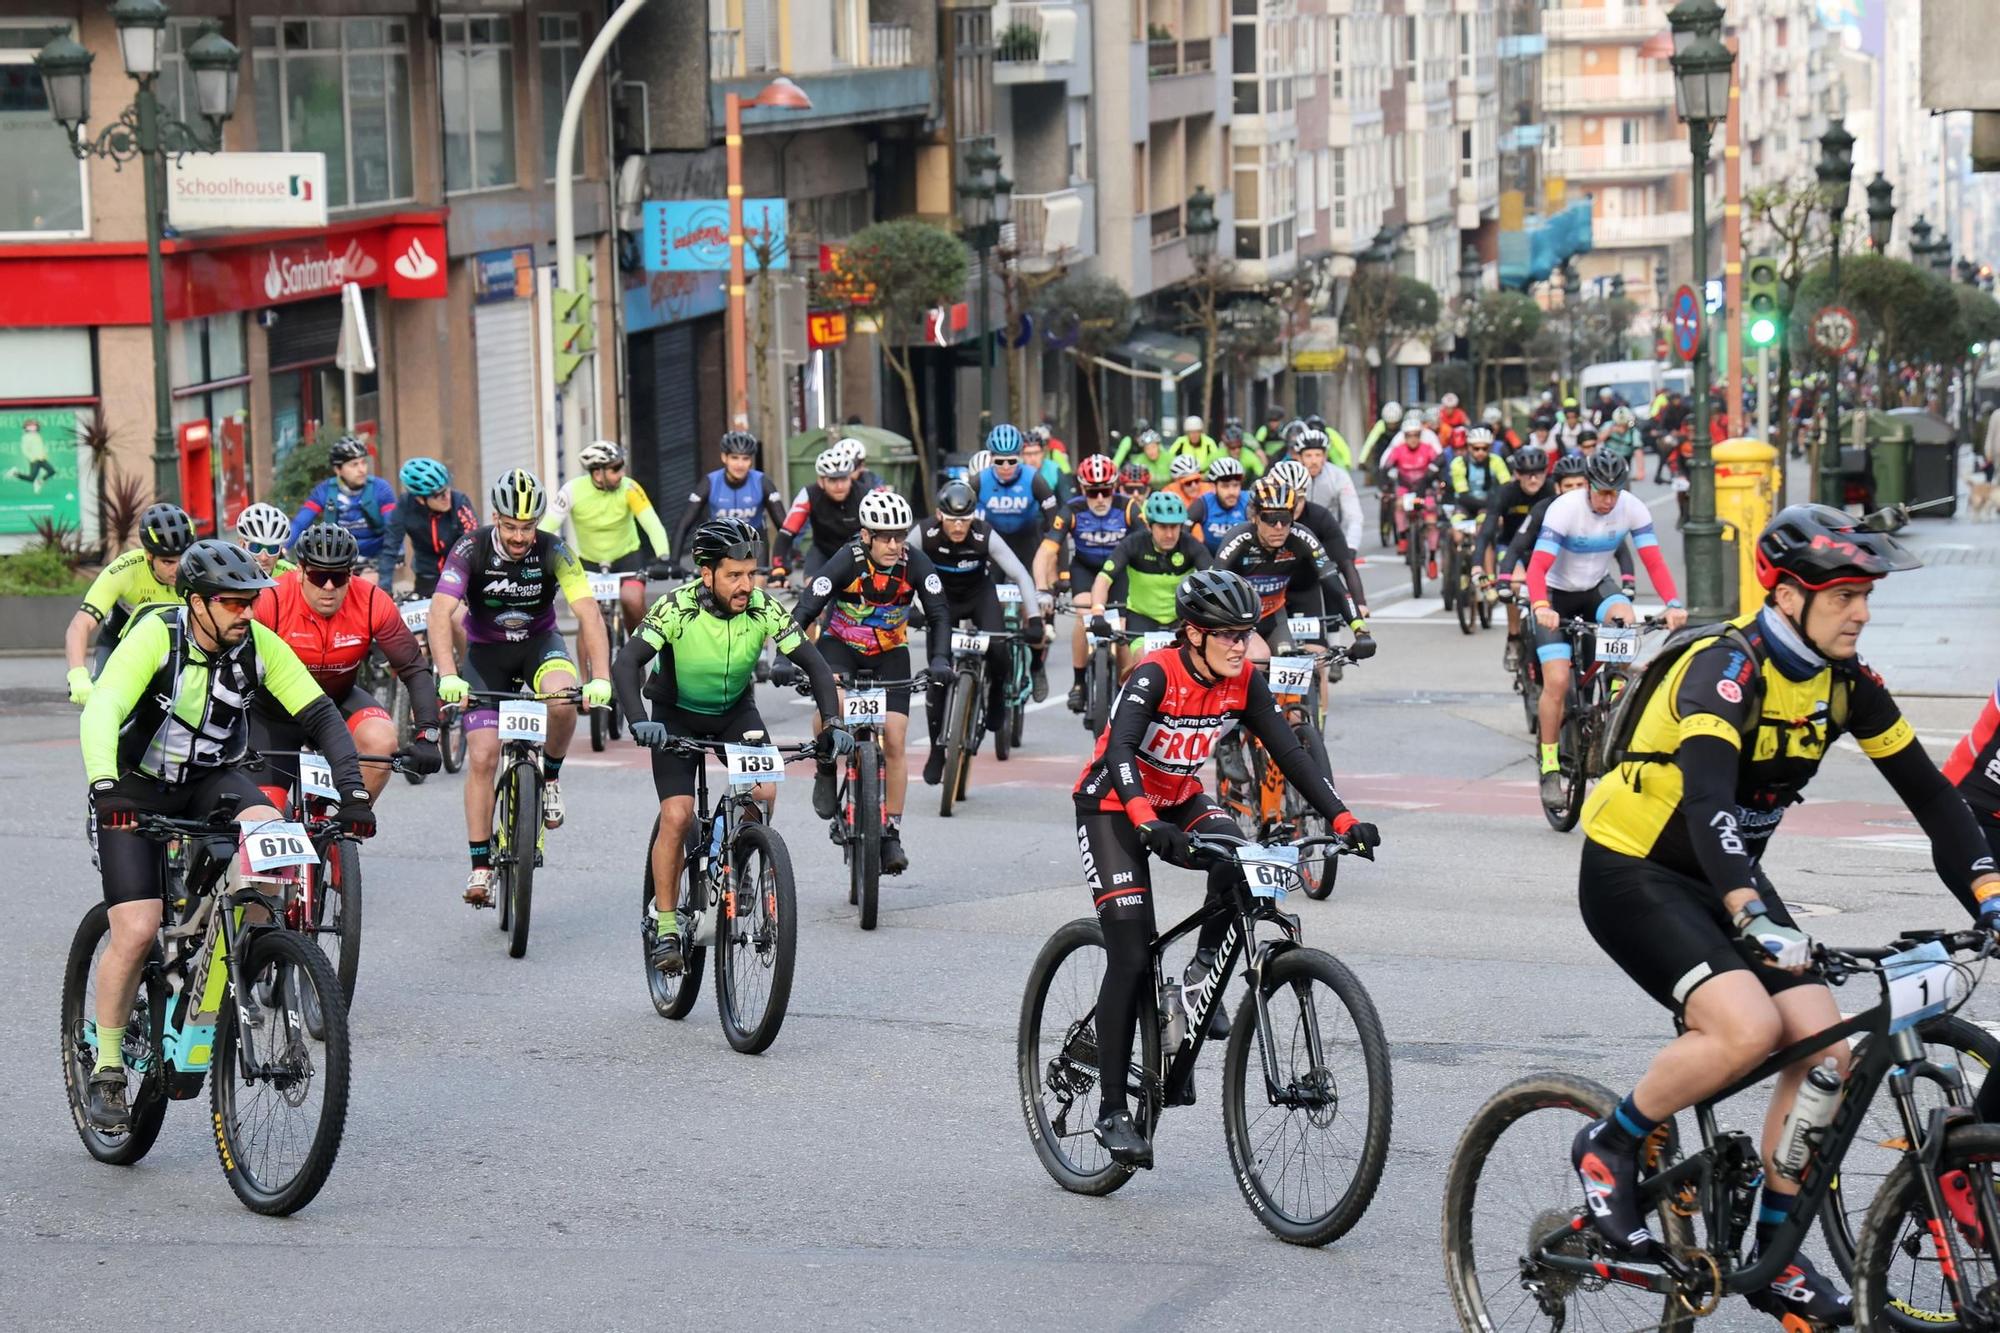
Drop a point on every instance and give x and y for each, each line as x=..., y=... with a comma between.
x=509, y=601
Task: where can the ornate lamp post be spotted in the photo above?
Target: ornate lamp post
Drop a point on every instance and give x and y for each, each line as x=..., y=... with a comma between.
x=985, y=200
x=1881, y=213
x=1836, y=178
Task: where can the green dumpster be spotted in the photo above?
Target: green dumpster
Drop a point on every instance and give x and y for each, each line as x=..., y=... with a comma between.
x=890, y=457
x=1890, y=444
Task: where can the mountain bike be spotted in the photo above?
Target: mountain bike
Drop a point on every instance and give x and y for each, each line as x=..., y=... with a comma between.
x=323, y=902
x=1307, y=1147
x=517, y=804
x=416, y=614
x=225, y=988
x=1532, y=1259
x=736, y=895
x=607, y=723
x=1105, y=635
x=1601, y=658
x=1464, y=580
x=967, y=710
x=864, y=779
x=1019, y=687
x=1416, y=527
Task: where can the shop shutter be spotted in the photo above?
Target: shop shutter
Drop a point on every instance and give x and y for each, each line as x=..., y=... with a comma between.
x=503, y=342
x=308, y=332
x=676, y=447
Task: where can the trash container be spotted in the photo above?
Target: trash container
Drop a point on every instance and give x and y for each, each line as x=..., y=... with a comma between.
x=1889, y=445
x=1934, y=476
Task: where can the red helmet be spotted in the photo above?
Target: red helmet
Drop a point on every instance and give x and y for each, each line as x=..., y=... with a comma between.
x=1096, y=470
x=1135, y=474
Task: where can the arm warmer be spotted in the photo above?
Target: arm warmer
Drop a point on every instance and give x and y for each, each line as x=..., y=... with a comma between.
x=1001, y=554
x=628, y=673
x=1708, y=804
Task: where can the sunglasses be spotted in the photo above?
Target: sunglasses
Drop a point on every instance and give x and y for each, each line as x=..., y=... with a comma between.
x=1097, y=492
x=1232, y=637
x=265, y=548
x=1274, y=520
x=234, y=605
x=1006, y=462
x=326, y=578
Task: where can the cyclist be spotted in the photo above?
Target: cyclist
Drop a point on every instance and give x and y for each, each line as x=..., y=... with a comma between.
x=1141, y=796
x=1099, y=519
x=607, y=511
x=332, y=623
x=431, y=517
x=969, y=559
x=365, y=505
x=1130, y=441
x=1153, y=456
x=1319, y=521
x=1270, y=438
x=694, y=656
x=1408, y=467
x=1193, y=442
x=1018, y=505
x=1476, y=477
x=738, y=489
x=1569, y=473
x=1327, y=483
x=865, y=479
x=1974, y=768
x=831, y=505
x=1285, y=564
x=165, y=732
x=1135, y=483
x=264, y=530
x=870, y=586
x=508, y=576
x=1383, y=433
x=1505, y=514
x=1146, y=568
x=1037, y=461
x=1186, y=480
x=1569, y=575
x=1242, y=451
x=1621, y=436
x=1450, y=415
x=1225, y=507
x=1505, y=439
x=1569, y=429
x=1672, y=884
x=136, y=579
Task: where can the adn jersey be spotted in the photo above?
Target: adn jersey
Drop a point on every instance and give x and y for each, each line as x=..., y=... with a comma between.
x=1023, y=504
x=510, y=601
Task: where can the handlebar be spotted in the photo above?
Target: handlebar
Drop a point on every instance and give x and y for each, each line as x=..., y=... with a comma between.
x=865, y=682
x=793, y=751
x=574, y=694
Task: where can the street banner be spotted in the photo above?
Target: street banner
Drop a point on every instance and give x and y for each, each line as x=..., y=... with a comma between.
x=246, y=191
x=38, y=469
x=692, y=235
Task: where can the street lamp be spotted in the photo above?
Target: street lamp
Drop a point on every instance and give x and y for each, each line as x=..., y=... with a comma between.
x=1836, y=178
x=1470, y=271
x=1572, y=290
x=1701, y=65
x=1616, y=314
x=1881, y=213
x=985, y=198
x=141, y=133
x=1660, y=309
x=780, y=94
x=1941, y=255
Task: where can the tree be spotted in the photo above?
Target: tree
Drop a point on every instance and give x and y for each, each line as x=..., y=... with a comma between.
x=1905, y=313
x=1385, y=309
x=1249, y=330
x=1100, y=314
x=1978, y=317
x=908, y=268
x=1498, y=325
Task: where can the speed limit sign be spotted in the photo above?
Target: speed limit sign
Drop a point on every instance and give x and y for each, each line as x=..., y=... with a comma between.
x=1835, y=331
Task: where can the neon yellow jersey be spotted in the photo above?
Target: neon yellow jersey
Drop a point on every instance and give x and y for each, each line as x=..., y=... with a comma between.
x=607, y=523
x=127, y=583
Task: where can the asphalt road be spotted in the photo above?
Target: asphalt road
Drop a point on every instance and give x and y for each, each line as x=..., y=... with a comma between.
x=530, y=1146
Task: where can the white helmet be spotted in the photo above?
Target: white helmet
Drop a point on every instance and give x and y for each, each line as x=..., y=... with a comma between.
x=1478, y=435
x=1184, y=466
x=1491, y=416
x=265, y=525
x=1622, y=416
x=601, y=453
x=1293, y=473
x=1191, y=426
x=1392, y=411
x=1413, y=425
x=857, y=448
x=835, y=461
x=978, y=463
x=1225, y=467
x=886, y=511
x=1449, y=400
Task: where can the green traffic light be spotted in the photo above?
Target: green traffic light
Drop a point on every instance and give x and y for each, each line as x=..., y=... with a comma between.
x=1763, y=331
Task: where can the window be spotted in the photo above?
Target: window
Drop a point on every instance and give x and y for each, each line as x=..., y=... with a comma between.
x=561, y=52
x=45, y=183
x=1339, y=187
x=1308, y=220
x=1322, y=178
x=1466, y=52
x=1467, y=163
x=477, y=53
x=1336, y=59
x=1412, y=45
x=339, y=87
x=1079, y=140
x=1139, y=174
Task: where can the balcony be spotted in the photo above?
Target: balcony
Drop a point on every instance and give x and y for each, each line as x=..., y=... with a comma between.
x=1652, y=90
x=896, y=84
x=1645, y=229
x=890, y=45
x=1041, y=43
x=1167, y=226
x=1615, y=21
x=1613, y=160
x=1167, y=57
x=725, y=52
x=1054, y=229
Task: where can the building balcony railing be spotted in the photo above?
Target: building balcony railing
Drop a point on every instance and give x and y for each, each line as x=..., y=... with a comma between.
x=890, y=45
x=1036, y=42
x=1167, y=57
x=1167, y=226
x=1644, y=229
x=1620, y=159
x=1652, y=90
x=1615, y=19
x=725, y=49
x=1055, y=227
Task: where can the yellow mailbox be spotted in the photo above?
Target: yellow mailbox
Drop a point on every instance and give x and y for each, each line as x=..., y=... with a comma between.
x=1746, y=490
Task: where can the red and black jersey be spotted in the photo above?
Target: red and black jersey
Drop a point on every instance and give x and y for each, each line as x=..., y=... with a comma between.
x=334, y=647
x=1974, y=765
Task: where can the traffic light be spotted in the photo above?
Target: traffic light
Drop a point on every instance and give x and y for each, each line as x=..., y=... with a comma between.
x=575, y=323
x=1761, y=320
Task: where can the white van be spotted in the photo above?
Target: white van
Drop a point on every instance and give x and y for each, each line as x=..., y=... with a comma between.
x=1637, y=382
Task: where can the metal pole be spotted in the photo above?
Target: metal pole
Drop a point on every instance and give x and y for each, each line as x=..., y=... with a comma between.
x=739, y=319
x=153, y=166
x=986, y=239
x=1702, y=538
x=1830, y=490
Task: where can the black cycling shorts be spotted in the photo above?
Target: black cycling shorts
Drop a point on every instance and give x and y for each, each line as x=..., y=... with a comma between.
x=134, y=867
x=632, y=564
x=1117, y=868
x=673, y=774
x=844, y=659
x=1591, y=604
x=1668, y=931
x=277, y=736
x=510, y=667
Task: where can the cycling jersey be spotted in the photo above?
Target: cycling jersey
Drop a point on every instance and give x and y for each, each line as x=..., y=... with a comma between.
x=711, y=659
x=508, y=601
x=966, y=567
x=367, y=513
x=1974, y=765
x=1320, y=522
x=1408, y=465
x=1574, y=549
x=1509, y=509
x=835, y=523
x=125, y=585
x=1530, y=532
x=334, y=647
x=1095, y=536
x=1477, y=480
x=1024, y=504
x=1218, y=520
x=1150, y=576
x=753, y=500
x=1298, y=562
x=607, y=523
x=431, y=534
x=871, y=606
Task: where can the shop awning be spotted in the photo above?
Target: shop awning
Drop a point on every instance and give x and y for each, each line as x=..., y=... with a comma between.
x=1155, y=354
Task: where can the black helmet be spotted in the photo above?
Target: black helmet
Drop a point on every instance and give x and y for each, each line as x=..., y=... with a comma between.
x=1217, y=599
x=326, y=546
x=210, y=567
x=1607, y=471
x=1818, y=546
x=956, y=500
x=1571, y=465
x=1530, y=458
x=739, y=442
x=722, y=539
x=165, y=530
x=345, y=450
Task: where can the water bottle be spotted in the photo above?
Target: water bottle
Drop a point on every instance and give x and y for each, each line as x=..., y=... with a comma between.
x=1818, y=1096
x=1173, y=1017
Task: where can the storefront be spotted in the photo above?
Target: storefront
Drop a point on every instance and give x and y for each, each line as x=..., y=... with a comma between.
x=674, y=374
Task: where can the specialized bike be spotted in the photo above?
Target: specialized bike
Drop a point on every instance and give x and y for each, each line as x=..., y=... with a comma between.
x=968, y=712
x=517, y=804
x=1305, y=1076
x=736, y=896
x=608, y=722
x=1018, y=689
x=227, y=990
x=416, y=613
x=1416, y=528
x=1523, y=1253
x=864, y=782
x=1601, y=658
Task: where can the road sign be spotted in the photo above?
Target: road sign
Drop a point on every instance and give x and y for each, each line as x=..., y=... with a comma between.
x=1835, y=331
x=1687, y=323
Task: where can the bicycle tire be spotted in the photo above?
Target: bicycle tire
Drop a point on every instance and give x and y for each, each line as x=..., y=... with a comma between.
x=1485, y=613
x=148, y=1101
x=1031, y=1064
x=1448, y=568
x=1319, y=874
x=1003, y=734
x=340, y=888
x=1967, y=1147
x=673, y=997
x=526, y=836
x=1413, y=551
x=1469, y=600
x=1098, y=689
x=1504, y=1109
x=279, y=1199
x=453, y=735
x=404, y=712
x=599, y=729
x=957, y=734
x=1018, y=720
x=864, y=866
x=776, y=912
x=1570, y=755
x=1531, y=691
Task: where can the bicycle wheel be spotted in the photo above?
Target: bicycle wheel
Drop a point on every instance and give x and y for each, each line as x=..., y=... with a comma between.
x=1897, y=1268
x=672, y=996
x=1485, y=612
x=1003, y=734
x=453, y=737
x=1570, y=755
x=336, y=924
x=147, y=1096
x=406, y=727
x=1319, y=873
x=1531, y=690
x=864, y=855
x=1469, y=600
x=526, y=811
x=1056, y=1058
x=1413, y=551
x=278, y=1131
x=1876, y=1149
x=1099, y=687
x=599, y=729
x=1519, y=1144
x=756, y=940
x=1017, y=720
x=957, y=739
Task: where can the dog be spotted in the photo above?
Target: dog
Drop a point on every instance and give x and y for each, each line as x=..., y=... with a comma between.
x=1982, y=500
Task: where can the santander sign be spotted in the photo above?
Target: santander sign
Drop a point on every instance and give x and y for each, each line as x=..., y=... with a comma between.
x=315, y=271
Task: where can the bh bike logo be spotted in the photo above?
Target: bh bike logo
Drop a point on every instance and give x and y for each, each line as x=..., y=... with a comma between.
x=321, y=271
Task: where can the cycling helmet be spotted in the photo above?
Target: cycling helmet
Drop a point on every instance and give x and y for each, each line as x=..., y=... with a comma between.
x=1096, y=470
x=1039, y=434
x=601, y=453
x=1587, y=433
x=1570, y=465
x=1818, y=546
x=1449, y=400
x=326, y=546
x=1217, y=599
x=1530, y=459
x=1478, y=435
x=1569, y=405
x=1165, y=507
x=424, y=476
x=1271, y=493
x=209, y=567
x=1607, y=471
x=1141, y=426
x=722, y=539
x=1003, y=441
x=1621, y=416
x=1311, y=438
x=1135, y=474
x=1413, y=425
x=1223, y=468
x=345, y=450
x=1392, y=412
x=833, y=462
x=886, y=511
x=1292, y=430
x=1147, y=437
x=1491, y=416
x=978, y=463
x=739, y=443
x=264, y=525
x=166, y=529
x=855, y=447
x=1293, y=473
x=955, y=499
x=1275, y=412
x=1232, y=434
x=1191, y=425
x=1315, y=421
x=1187, y=465
x=517, y=495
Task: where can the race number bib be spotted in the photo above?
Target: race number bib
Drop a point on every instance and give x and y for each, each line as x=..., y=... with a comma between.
x=277, y=845
x=864, y=708
x=749, y=764
x=1303, y=629
x=1269, y=871
x=417, y=615
x=316, y=776
x=524, y=720
x=1291, y=675
x=1156, y=639
x=1617, y=644
x=604, y=587
x=1409, y=501
x=1009, y=593
x=969, y=641
x=1920, y=984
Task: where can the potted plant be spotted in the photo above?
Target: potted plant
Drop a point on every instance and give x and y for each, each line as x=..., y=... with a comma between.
x=1020, y=42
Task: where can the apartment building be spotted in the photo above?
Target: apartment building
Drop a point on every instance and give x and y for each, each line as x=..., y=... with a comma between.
x=1784, y=73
